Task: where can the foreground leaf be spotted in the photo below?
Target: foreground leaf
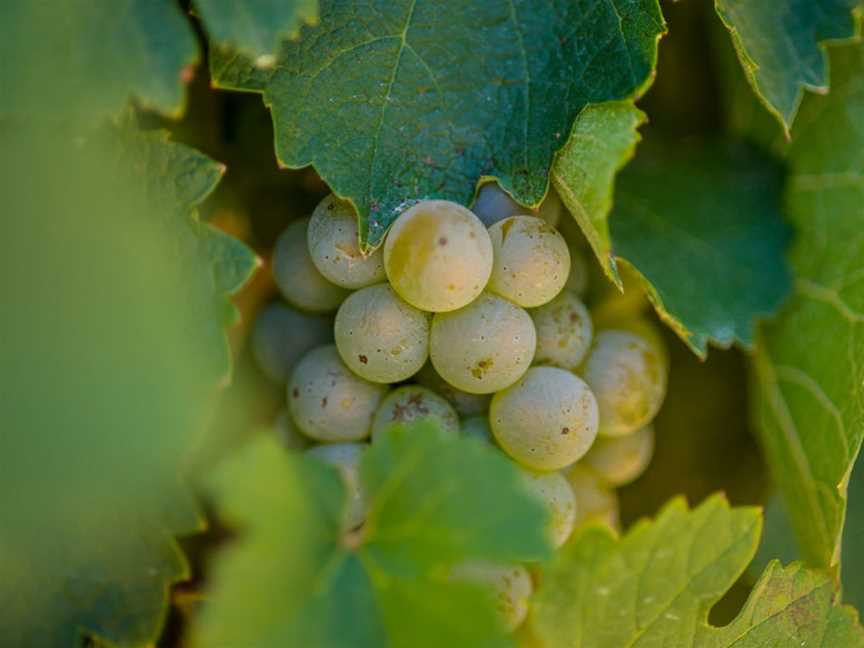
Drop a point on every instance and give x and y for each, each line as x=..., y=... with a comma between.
x=781, y=46
x=292, y=581
x=810, y=363
x=656, y=586
x=421, y=99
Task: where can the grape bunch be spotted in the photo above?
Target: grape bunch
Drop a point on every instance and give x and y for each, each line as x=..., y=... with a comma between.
x=476, y=320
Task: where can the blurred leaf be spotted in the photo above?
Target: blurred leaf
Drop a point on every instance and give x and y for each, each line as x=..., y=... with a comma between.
x=114, y=345
x=78, y=60
x=781, y=46
x=810, y=362
x=256, y=27
x=656, y=586
x=423, y=99
x=853, y=540
x=291, y=580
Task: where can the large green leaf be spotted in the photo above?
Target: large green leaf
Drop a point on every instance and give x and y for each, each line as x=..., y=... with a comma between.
x=781, y=46
x=291, y=580
x=113, y=349
x=255, y=27
x=656, y=586
x=810, y=362
x=77, y=60
x=422, y=98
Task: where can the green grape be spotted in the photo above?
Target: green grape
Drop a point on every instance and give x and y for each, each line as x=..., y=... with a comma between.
x=610, y=305
x=380, y=337
x=484, y=347
x=297, y=277
x=494, y=204
x=288, y=433
x=577, y=280
x=531, y=260
x=557, y=496
x=438, y=256
x=345, y=457
x=620, y=460
x=414, y=403
x=281, y=335
x=327, y=401
x=464, y=403
x=595, y=502
x=334, y=246
x=628, y=377
x=564, y=331
x=547, y=420
x=477, y=427
x=509, y=586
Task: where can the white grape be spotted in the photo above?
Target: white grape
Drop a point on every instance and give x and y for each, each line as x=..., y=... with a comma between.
x=412, y=403
x=345, y=457
x=627, y=374
x=296, y=275
x=551, y=208
x=557, y=496
x=281, y=335
x=464, y=403
x=288, y=434
x=531, y=260
x=334, y=246
x=438, y=256
x=595, y=502
x=547, y=420
x=494, y=204
x=564, y=331
x=380, y=337
x=477, y=427
x=510, y=587
x=620, y=460
x=327, y=401
x=578, y=279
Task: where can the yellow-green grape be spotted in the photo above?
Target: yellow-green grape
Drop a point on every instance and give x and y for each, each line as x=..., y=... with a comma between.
x=334, y=246
x=288, y=433
x=464, y=403
x=620, y=460
x=414, y=403
x=610, y=305
x=494, y=204
x=510, y=587
x=297, y=277
x=438, y=256
x=484, y=347
x=327, y=401
x=557, y=496
x=380, y=337
x=564, y=331
x=531, y=260
x=345, y=457
x=547, y=420
x=595, y=502
x=477, y=427
x=577, y=280
x=628, y=376
x=281, y=335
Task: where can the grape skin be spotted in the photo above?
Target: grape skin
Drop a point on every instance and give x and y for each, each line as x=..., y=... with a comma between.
x=484, y=347
x=297, y=277
x=564, y=331
x=327, y=401
x=281, y=335
x=414, y=403
x=628, y=376
x=464, y=403
x=334, y=246
x=287, y=432
x=595, y=502
x=531, y=261
x=621, y=460
x=380, y=337
x=557, y=496
x=509, y=585
x=547, y=420
x=577, y=280
x=438, y=256
x=345, y=457
x=477, y=427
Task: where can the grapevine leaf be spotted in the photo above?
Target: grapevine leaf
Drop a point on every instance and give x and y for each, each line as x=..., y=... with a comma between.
x=113, y=347
x=432, y=501
x=92, y=57
x=809, y=368
x=255, y=27
x=423, y=98
x=656, y=586
x=781, y=46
